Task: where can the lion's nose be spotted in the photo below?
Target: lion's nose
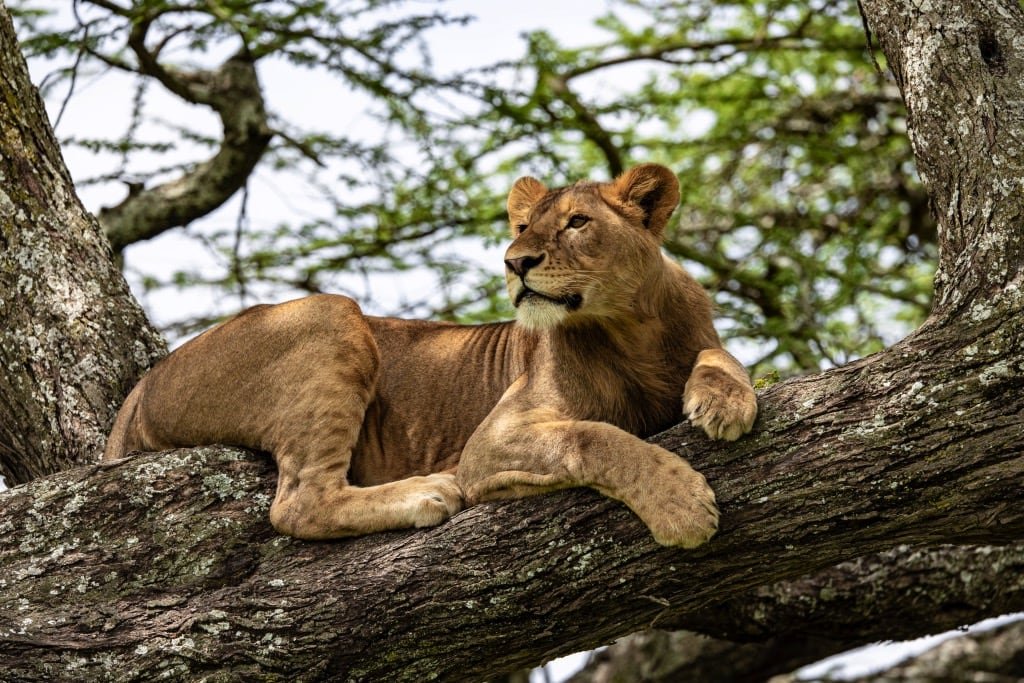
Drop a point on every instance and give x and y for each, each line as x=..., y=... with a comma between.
x=521, y=265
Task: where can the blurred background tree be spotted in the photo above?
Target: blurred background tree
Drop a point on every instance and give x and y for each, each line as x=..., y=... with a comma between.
x=801, y=209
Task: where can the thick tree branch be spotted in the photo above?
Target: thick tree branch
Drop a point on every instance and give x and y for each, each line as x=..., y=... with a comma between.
x=948, y=586
x=664, y=657
x=996, y=656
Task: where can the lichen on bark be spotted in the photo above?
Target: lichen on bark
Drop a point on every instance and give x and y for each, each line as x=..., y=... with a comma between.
x=73, y=339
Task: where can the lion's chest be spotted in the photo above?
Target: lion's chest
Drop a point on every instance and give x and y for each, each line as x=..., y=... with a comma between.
x=642, y=400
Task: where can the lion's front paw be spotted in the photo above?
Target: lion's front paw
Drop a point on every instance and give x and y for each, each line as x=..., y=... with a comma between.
x=680, y=509
x=433, y=499
x=719, y=404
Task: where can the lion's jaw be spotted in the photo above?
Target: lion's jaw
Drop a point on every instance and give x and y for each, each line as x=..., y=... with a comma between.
x=538, y=310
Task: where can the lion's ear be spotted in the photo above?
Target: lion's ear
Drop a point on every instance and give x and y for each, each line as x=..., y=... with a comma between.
x=524, y=194
x=654, y=189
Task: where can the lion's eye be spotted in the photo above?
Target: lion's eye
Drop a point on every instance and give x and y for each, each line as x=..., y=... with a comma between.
x=521, y=228
x=577, y=221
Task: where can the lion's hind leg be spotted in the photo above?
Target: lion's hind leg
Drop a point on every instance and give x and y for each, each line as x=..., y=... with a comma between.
x=314, y=499
x=316, y=427
x=322, y=505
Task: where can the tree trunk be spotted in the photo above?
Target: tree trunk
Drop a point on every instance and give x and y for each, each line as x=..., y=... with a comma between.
x=958, y=68
x=166, y=564
x=72, y=339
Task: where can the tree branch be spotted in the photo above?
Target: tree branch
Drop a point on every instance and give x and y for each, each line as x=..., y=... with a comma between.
x=994, y=655
x=796, y=40
x=664, y=657
x=233, y=91
x=588, y=124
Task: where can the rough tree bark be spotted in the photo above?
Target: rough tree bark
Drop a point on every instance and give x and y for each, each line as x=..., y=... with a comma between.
x=166, y=565
x=73, y=338
x=670, y=656
x=995, y=656
x=902, y=587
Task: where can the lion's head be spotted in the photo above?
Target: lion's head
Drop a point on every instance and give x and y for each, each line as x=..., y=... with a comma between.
x=588, y=251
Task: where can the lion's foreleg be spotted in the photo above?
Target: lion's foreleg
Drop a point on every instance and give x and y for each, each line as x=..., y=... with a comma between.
x=718, y=396
x=534, y=451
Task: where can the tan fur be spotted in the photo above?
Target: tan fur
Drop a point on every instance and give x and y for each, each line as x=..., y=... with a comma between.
x=380, y=423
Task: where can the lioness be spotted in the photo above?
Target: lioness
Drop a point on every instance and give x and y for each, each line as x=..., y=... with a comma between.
x=381, y=423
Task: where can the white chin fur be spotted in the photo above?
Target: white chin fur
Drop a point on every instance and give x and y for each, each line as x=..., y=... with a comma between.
x=540, y=315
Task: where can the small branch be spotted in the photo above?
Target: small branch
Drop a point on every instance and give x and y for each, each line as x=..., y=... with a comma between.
x=661, y=54
x=588, y=124
x=112, y=7
x=241, y=222
x=303, y=148
x=73, y=78
x=233, y=91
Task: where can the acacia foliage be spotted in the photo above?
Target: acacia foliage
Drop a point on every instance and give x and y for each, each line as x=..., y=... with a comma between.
x=801, y=206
